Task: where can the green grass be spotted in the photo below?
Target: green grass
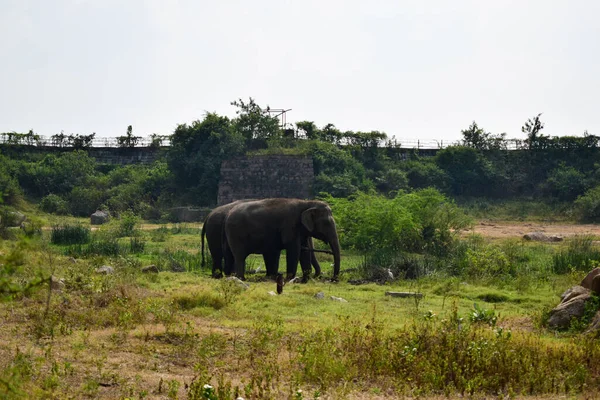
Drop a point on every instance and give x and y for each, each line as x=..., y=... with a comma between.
x=176, y=332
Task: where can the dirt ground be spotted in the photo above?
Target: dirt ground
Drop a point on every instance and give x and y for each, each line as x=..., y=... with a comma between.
x=503, y=230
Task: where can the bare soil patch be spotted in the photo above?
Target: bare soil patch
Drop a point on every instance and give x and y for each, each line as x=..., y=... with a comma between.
x=504, y=230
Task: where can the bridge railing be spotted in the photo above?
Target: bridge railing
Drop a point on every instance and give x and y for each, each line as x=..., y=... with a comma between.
x=164, y=140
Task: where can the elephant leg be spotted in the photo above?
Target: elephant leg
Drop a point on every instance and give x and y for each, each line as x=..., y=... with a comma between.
x=239, y=262
x=217, y=268
x=292, y=256
x=272, y=263
x=229, y=262
x=313, y=258
x=305, y=261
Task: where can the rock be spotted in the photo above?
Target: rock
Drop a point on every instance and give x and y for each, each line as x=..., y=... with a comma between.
x=56, y=283
x=404, y=294
x=541, y=237
x=272, y=293
x=320, y=295
x=105, y=270
x=572, y=306
x=295, y=280
x=238, y=281
x=595, y=325
x=14, y=219
x=587, y=281
x=176, y=267
x=596, y=285
x=150, y=269
x=338, y=299
x=573, y=292
x=99, y=218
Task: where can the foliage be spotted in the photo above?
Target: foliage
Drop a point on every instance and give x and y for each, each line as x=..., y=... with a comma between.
x=422, y=222
x=70, y=234
x=128, y=140
x=196, y=153
x=481, y=315
x=255, y=124
x=565, y=183
x=479, y=139
x=580, y=255
x=587, y=206
x=54, y=204
x=468, y=171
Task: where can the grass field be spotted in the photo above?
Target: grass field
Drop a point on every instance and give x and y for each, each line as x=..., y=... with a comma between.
x=167, y=334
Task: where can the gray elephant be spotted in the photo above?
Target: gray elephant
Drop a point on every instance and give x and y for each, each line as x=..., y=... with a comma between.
x=212, y=229
x=268, y=226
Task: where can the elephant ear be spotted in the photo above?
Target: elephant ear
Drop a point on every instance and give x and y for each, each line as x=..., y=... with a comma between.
x=308, y=219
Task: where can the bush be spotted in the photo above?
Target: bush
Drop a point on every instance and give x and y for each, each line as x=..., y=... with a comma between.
x=587, y=207
x=128, y=224
x=54, y=204
x=579, y=255
x=421, y=222
x=69, y=234
x=565, y=183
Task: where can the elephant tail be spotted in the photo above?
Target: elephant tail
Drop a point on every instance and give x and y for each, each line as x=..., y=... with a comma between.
x=202, y=236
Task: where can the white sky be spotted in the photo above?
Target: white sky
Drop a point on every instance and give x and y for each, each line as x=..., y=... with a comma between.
x=413, y=69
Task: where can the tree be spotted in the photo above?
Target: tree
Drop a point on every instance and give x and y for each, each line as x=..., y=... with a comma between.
x=128, y=140
x=255, y=124
x=479, y=139
x=532, y=129
x=196, y=153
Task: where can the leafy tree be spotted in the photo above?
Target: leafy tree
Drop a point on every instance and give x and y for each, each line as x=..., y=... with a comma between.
x=532, y=129
x=196, y=153
x=128, y=140
x=479, y=139
x=255, y=124
x=565, y=183
x=587, y=207
x=57, y=174
x=470, y=173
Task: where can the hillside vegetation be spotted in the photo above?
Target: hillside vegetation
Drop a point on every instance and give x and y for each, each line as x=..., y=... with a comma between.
x=128, y=309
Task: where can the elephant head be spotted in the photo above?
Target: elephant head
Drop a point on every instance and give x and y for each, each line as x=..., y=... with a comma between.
x=319, y=223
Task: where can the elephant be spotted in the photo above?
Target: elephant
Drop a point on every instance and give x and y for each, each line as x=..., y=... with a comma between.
x=213, y=230
x=270, y=225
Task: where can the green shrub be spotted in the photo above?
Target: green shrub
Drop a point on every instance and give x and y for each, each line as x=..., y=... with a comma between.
x=565, y=183
x=581, y=254
x=54, y=204
x=84, y=201
x=587, y=207
x=128, y=224
x=481, y=315
x=421, y=222
x=70, y=234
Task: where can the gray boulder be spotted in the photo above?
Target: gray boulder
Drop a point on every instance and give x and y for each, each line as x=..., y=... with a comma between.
x=99, y=218
x=150, y=269
x=572, y=306
x=105, y=270
x=13, y=219
x=56, y=283
x=541, y=237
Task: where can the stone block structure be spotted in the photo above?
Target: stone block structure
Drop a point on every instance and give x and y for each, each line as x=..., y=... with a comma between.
x=259, y=177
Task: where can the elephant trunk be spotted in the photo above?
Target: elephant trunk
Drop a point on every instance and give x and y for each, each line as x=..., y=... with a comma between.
x=335, y=248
